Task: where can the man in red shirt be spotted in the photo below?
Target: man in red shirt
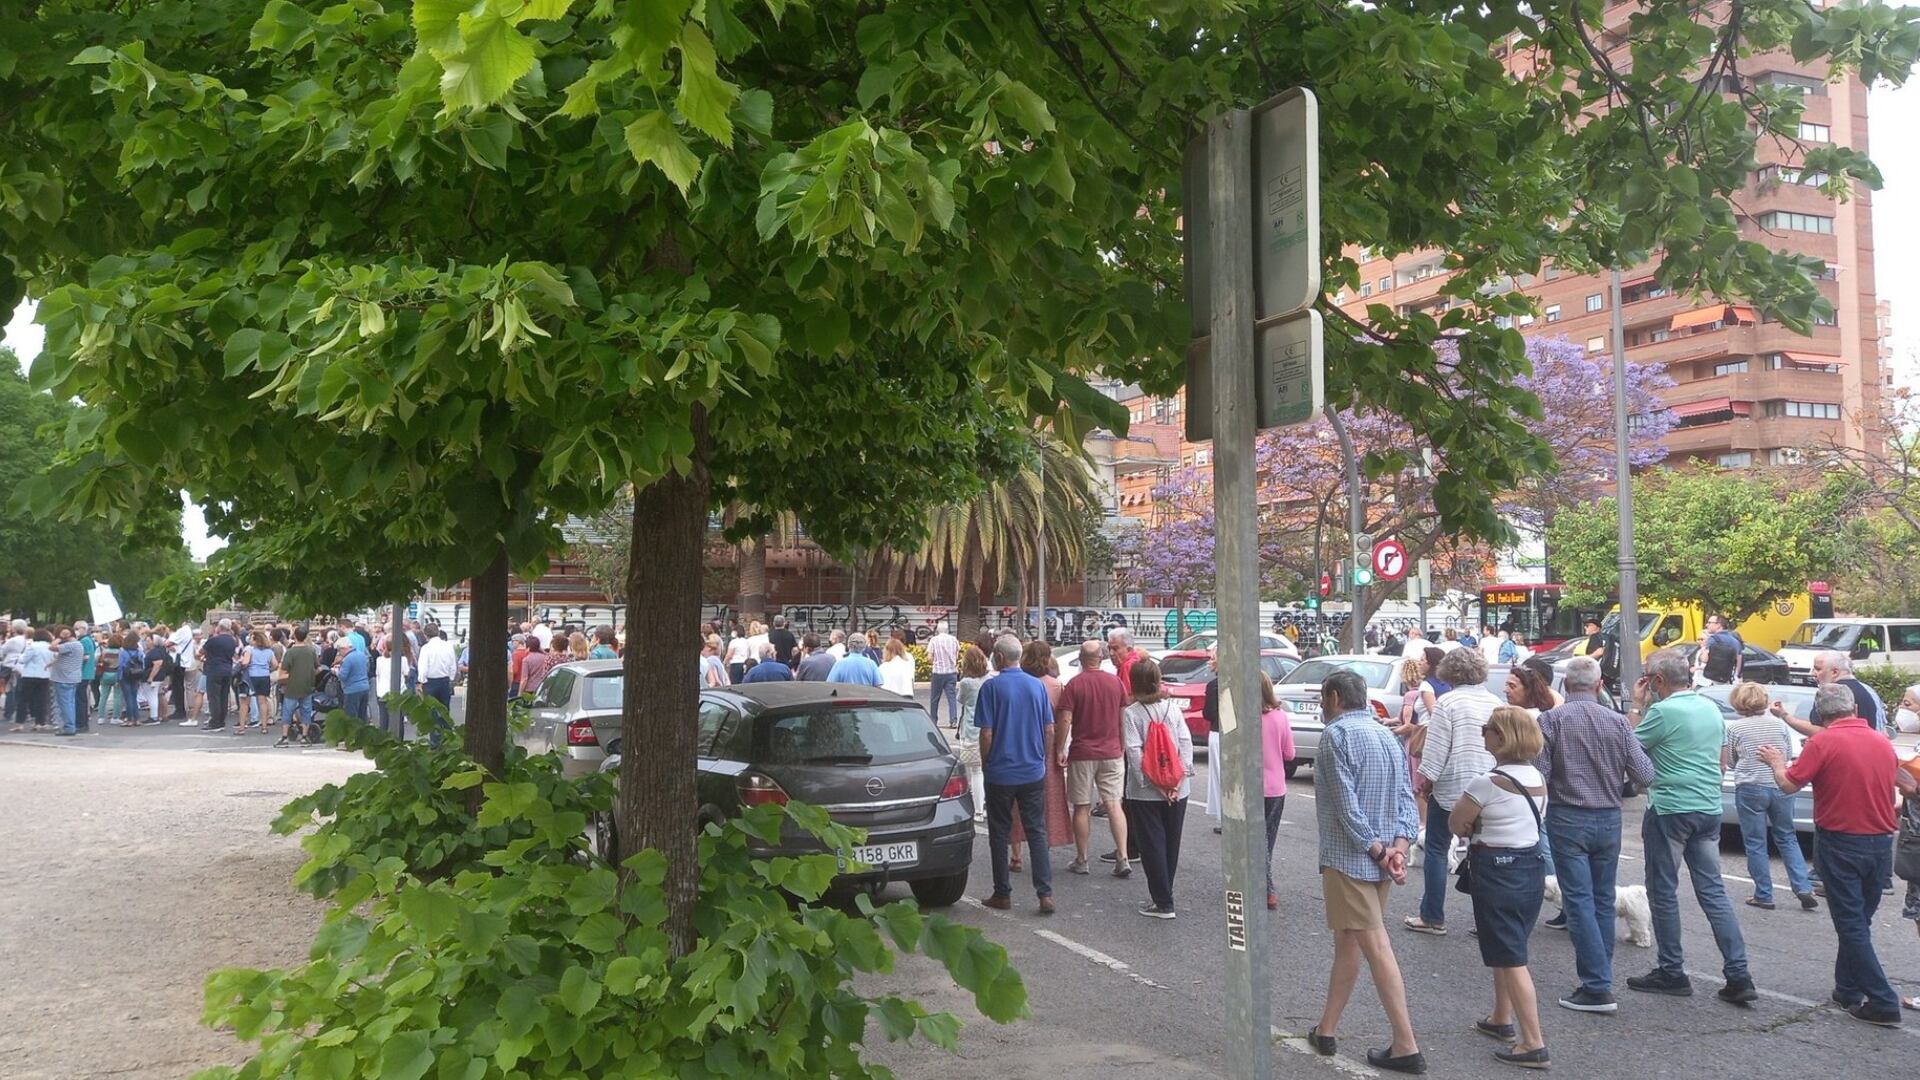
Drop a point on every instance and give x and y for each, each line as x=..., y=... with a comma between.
x=1120, y=649
x=1851, y=768
x=1086, y=742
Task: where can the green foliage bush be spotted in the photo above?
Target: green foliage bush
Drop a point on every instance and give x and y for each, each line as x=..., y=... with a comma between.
x=922, y=664
x=411, y=810
x=1889, y=682
x=538, y=967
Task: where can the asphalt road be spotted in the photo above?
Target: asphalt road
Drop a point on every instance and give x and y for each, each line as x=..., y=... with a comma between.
x=1129, y=990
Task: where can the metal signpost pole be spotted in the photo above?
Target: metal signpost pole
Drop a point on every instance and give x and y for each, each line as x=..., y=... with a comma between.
x=1628, y=628
x=1040, y=547
x=1356, y=528
x=1237, y=578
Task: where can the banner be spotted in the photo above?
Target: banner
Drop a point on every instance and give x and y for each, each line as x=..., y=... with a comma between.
x=106, y=607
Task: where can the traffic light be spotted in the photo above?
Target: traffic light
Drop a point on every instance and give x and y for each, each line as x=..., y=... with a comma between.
x=1362, y=575
x=1313, y=602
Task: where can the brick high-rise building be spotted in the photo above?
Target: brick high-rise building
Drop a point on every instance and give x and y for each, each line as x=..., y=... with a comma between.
x=1748, y=391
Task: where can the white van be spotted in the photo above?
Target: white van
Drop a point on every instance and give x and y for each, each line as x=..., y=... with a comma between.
x=1869, y=641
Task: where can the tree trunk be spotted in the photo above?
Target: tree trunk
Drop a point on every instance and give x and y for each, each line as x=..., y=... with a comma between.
x=753, y=580
x=966, y=615
x=658, y=799
x=486, y=730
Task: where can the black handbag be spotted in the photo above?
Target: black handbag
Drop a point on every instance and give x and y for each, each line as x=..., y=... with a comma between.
x=1906, y=845
x=1463, y=874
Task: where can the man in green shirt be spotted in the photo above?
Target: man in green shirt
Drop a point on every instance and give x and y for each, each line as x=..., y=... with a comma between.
x=1682, y=733
x=297, y=670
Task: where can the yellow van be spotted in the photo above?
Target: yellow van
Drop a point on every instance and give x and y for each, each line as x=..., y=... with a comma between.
x=1682, y=624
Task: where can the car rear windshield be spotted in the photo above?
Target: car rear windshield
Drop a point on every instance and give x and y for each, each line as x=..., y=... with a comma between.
x=606, y=691
x=1314, y=672
x=1826, y=635
x=862, y=735
x=1184, y=669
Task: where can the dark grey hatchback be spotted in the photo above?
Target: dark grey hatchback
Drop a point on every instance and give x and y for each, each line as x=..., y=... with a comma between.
x=871, y=759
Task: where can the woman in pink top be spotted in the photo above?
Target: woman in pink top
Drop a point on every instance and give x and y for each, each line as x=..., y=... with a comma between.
x=1276, y=748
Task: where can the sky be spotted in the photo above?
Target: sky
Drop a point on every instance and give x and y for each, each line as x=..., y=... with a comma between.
x=1896, y=228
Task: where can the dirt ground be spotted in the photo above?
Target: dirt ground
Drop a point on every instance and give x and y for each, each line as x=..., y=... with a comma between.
x=125, y=877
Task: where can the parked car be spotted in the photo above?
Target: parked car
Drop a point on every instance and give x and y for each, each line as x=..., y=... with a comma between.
x=1756, y=664
x=1207, y=640
x=1867, y=641
x=576, y=713
x=870, y=759
x=1185, y=675
x=1300, y=696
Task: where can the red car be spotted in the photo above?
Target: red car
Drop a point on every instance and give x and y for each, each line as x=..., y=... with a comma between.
x=1186, y=673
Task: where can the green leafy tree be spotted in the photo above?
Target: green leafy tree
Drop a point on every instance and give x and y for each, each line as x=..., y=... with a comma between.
x=508, y=256
x=47, y=564
x=1730, y=542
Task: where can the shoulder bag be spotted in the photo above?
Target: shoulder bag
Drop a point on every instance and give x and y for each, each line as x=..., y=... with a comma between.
x=1463, y=874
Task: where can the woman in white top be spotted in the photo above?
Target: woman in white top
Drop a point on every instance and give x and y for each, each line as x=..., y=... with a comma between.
x=738, y=650
x=1453, y=754
x=1764, y=810
x=896, y=671
x=1500, y=812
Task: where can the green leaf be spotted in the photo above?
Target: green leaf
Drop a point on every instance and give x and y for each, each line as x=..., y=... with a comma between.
x=579, y=991
x=406, y=1056
x=243, y=348
x=706, y=100
x=624, y=974
x=94, y=54
x=599, y=932
x=652, y=139
x=436, y=23
x=1026, y=107
x=495, y=56
x=488, y=140
x=754, y=111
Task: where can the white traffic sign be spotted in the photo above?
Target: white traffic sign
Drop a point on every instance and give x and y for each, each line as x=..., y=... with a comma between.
x=1286, y=209
x=1291, y=352
x=1390, y=560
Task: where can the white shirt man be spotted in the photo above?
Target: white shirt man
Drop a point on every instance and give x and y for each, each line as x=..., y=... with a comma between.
x=1416, y=646
x=438, y=660
x=545, y=633
x=838, y=646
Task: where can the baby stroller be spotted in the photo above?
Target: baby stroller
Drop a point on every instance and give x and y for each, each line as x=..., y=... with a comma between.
x=326, y=698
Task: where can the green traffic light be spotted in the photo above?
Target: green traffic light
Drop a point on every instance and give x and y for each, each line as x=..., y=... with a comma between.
x=1362, y=576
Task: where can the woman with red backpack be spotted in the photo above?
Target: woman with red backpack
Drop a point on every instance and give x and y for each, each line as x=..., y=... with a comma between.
x=1159, y=752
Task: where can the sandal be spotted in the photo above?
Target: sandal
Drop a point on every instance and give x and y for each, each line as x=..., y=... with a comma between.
x=1421, y=926
x=1910, y=1003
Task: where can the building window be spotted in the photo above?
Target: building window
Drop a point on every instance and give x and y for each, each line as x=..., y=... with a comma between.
x=1524, y=320
x=1366, y=291
x=1788, y=174
x=1595, y=302
x=1340, y=297
x=1804, y=84
x=1787, y=220
x=1787, y=455
x=1203, y=455
x=1553, y=273
x=1646, y=291
x=1804, y=410
x=1741, y=460
x=1596, y=344
x=1553, y=312
x=1815, y=132
x=1829, y=319
x=1385, y=283
x=1732, y=367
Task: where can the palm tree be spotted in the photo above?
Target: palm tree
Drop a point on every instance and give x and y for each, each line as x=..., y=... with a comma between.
x=994, y=535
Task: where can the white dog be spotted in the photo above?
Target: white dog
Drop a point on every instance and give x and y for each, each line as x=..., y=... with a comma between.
x=1629, y=907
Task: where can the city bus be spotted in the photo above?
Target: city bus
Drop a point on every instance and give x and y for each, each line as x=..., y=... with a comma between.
x=1534, y=612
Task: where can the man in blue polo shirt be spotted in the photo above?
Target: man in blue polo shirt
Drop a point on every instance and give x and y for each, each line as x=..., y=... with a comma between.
x=856, y=667
x=1016, y=728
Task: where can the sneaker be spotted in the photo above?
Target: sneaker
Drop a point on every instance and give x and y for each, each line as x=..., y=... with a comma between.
x=65, y=734
x=1867, y=1014
x=1845, y=1000
x=1154, y=912
x=1807, y=902
x=1122, y=870
x=1558, y=922
x=1589, y=1001
x=1111, y=856
x=1738, y=992
x=1659, y=982
x=1530, y=1059
x=284, y=741
x=1078, y=866
x=189, y=723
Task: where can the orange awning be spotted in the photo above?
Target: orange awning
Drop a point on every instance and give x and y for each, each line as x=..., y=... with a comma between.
x=1712, y=405
x=1745, y=316
x=1700, y=317
x=1812, y=360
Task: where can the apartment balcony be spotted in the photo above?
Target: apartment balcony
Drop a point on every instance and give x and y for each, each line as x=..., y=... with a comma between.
x=1757, y=386
x=1710, y=439
x=1795, y=431
x=1737, y=341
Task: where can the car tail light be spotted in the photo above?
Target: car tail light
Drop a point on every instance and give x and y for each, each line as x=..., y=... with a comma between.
x=759, y=789
x=956, y=785
x=580, y=733
x=1379, y=708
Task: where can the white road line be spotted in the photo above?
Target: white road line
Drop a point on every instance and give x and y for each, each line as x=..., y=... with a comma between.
x=1299, y=1045
x=1723, y=873
x=1790, y=999
x=1086, y=952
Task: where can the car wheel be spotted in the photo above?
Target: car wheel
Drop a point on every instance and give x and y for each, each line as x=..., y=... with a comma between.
x=603, y=836
x=1292, y=767
x=941, y=891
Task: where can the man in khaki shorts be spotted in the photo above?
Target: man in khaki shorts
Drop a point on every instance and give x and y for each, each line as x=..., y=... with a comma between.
x=1367, y=821
x=1086, y=734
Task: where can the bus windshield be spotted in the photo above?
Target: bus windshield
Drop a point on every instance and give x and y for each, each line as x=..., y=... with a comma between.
x=1533, y=612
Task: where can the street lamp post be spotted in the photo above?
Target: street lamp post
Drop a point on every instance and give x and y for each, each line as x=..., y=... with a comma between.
x=1627, y=630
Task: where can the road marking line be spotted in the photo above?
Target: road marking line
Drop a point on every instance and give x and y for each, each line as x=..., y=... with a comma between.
x=1299, y=1045
x=1790, y=999
x=1723, y=873
x=1086, y=952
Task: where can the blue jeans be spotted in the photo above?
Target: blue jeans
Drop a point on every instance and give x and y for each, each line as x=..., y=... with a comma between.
x=291, y=706
x=1692, y=838
x=1033, y=816
x=1854, y=867
x=355, y=702
x=63, y=695
x=1586, y=858
x=1766, y=811
x=1433, y=867
x=945, y=684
